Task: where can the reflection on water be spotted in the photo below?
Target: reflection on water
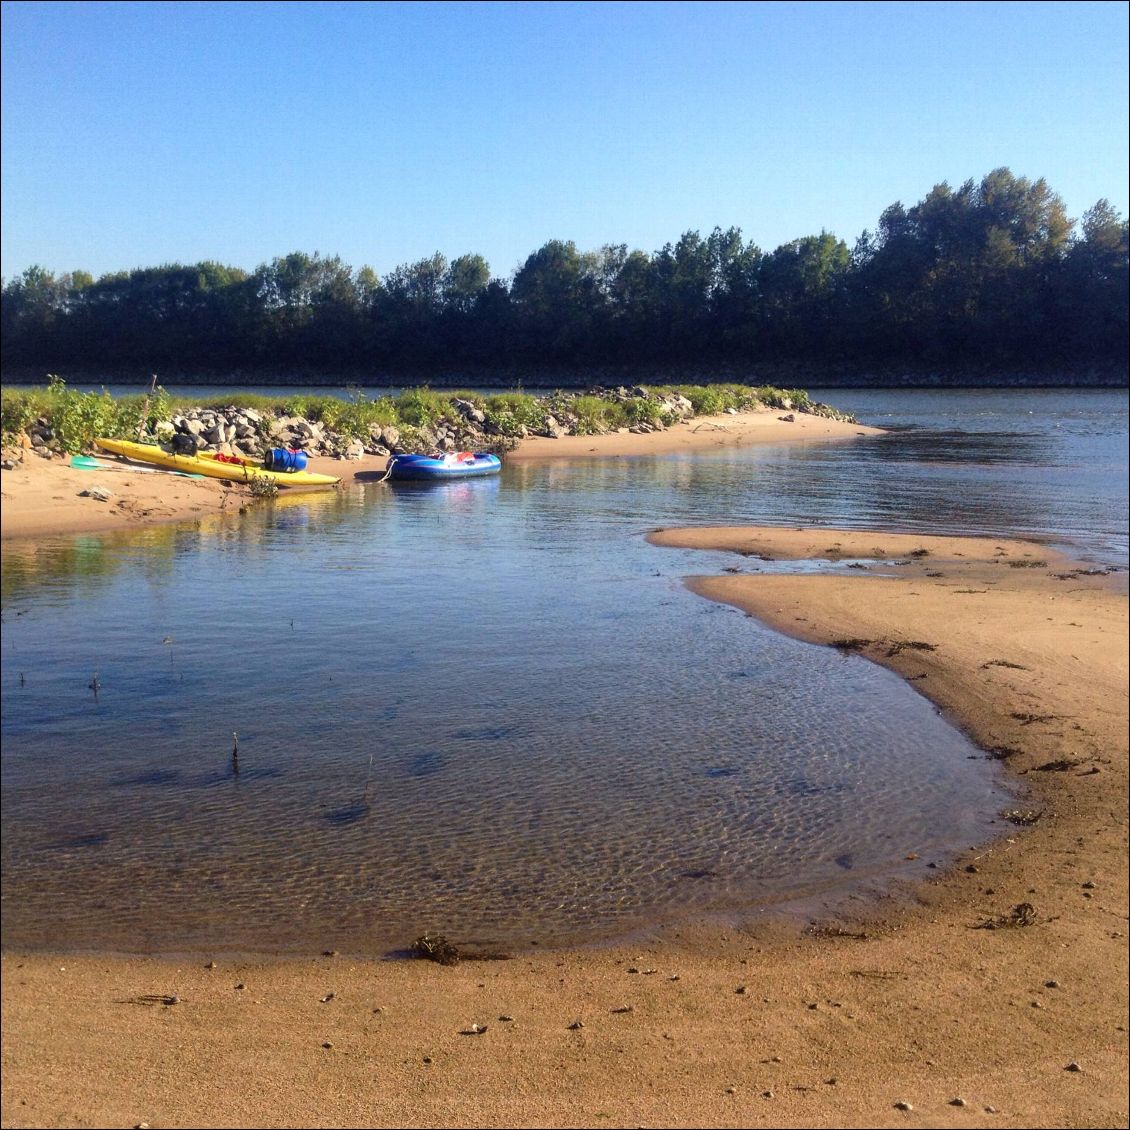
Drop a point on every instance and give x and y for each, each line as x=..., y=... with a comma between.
x=483, y=707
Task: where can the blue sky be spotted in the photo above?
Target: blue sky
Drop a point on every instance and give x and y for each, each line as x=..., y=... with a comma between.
x=136, y=134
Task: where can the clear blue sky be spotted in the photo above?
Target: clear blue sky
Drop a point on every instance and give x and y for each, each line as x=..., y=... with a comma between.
x=136, y=134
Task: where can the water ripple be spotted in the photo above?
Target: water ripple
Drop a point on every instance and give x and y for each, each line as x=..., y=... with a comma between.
x=492, y=709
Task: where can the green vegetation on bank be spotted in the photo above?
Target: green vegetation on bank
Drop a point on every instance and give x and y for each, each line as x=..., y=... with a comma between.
x=992, y=275
x=76, y=418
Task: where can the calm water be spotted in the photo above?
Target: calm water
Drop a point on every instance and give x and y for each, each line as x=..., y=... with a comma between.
x=491, y=709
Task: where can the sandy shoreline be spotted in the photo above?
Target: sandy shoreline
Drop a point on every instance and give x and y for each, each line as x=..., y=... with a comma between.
x=42, y=497
x=903, y=999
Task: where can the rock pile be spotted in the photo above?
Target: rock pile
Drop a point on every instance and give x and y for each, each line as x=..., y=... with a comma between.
x=464, y=426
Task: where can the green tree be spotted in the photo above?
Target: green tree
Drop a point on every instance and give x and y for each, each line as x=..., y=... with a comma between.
x=303, y=302
x=555, y=297
x=411, y=307
x=464, y=283
x=1091, y=292
x=802, y=289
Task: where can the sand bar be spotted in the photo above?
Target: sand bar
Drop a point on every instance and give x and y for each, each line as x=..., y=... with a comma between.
x=833, y=1020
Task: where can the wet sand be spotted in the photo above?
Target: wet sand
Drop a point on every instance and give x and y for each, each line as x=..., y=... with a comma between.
x=993, y=996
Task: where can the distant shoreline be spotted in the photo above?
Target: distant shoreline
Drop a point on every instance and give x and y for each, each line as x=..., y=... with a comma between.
x=580, y=378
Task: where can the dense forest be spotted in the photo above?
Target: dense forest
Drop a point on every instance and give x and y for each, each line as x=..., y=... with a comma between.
x=990, y=277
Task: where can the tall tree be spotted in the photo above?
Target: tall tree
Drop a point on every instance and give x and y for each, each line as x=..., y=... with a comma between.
x=802, y=285
x=555, y=296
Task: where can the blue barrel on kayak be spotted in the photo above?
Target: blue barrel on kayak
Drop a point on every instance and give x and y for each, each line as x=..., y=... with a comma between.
x=285, y=459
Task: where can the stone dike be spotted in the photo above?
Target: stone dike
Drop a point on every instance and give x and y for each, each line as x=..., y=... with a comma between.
x=459, y=424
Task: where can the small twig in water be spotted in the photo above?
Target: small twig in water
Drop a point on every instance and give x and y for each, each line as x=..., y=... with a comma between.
x=368, y=779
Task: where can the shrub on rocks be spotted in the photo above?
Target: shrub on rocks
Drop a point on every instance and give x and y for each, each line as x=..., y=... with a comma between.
x=57, y=419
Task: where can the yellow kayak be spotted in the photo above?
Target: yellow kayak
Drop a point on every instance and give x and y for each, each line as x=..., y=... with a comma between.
x=236, y=468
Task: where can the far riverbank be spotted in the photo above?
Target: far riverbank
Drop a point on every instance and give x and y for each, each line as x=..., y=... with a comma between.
x=547, y=378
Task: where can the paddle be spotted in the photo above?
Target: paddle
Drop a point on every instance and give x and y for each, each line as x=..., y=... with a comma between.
x=89, y=463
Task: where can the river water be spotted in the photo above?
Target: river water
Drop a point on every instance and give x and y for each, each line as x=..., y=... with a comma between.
x=490, y=709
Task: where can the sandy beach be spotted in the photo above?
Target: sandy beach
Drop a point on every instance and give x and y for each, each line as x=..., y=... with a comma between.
x=995, y=995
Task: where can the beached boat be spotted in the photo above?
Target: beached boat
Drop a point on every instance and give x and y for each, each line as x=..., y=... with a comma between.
x=283, y=467
x=455, y=465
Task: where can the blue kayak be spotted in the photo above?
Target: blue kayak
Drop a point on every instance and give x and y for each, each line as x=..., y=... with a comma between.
x=456, y=465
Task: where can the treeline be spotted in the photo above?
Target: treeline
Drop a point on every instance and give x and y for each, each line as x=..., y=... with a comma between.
x=989, y=276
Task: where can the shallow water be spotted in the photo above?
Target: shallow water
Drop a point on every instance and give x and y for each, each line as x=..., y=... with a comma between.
x=490, y=708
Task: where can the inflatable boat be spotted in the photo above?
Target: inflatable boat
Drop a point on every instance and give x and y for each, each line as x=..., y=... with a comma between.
x=456, y=465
